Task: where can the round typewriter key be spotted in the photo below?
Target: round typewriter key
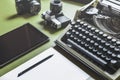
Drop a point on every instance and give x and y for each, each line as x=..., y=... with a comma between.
x=96, y=30
x=103, y=56
x=81, y=22
x=90, y=48
x=111, y=46
x=107, y=44
x=78, y=40
x=86, y=32
x=114, y=40
x=84, y=37
x=73, y=23
x=116, y=49
x=85, y=25
x=113, y=61
x=104, y=49
x=114, y=55
x=75, y=38
x=96, y=44
x=89, y=27
x=101, y=33
x=94, y=37
x=78, y=21
x=108, y=58
x=88, y=39
x=83, y=30
x=71, y=36
x=94, y=50
x=82, y=42
x=118, y=43
x=90, y=34
x=105, y=35
x=76, y=33
x=91, y=41
x=100, y=47
x=80, y=35
x=73, y=31
x=93, y=29
x=102, y=41
x=109, y=52
x=98, y=39
x=86, y=45
x=76, y=26
x=68, y=33
x=118, y=56
x=109, y=38
x=79, y=28
x=99, y=53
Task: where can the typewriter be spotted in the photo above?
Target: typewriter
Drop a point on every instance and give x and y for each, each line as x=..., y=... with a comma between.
x=93, y=37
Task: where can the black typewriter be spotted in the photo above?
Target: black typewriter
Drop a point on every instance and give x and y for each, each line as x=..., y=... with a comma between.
x=95, y=46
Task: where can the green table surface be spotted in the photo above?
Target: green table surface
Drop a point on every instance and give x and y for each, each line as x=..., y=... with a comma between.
x=9, y=20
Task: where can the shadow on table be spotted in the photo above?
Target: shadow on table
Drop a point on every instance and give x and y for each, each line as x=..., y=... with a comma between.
x=14, y=16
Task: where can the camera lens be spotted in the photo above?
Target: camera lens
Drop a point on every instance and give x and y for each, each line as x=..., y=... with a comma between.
x=55, y=6
x=19, y=7
x=34, y=7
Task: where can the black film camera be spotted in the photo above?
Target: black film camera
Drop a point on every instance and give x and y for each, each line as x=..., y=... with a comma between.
x=28, y=6
x=54, y=17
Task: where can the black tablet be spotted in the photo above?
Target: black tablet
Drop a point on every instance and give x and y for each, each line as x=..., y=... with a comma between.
x=19, y=42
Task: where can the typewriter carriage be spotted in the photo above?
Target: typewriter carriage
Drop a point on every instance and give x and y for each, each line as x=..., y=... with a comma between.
x=103, y=15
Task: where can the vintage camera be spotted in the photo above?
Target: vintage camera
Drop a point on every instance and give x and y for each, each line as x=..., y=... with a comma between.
x=103, y=14
x=28, y=6
x=54, y=17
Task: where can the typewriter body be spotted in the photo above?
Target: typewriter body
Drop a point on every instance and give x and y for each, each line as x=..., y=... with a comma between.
x=93, y=38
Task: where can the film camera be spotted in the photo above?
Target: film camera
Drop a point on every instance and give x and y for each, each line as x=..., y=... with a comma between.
x=103, y=14
x=54, y=17
x=28, y=6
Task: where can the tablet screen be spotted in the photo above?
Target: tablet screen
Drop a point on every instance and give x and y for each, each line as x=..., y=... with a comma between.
x=19, y=42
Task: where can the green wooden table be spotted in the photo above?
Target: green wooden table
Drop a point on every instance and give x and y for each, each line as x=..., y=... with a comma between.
x=9, y=20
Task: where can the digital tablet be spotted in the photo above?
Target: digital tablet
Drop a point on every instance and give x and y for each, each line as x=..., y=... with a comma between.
x=19, y=42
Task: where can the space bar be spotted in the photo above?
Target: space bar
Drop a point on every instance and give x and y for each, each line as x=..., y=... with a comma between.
x=87, y=53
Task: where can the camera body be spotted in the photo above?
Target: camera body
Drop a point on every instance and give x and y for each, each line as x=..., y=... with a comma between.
x=54, y=17
x=55, y=21
x=28, y=6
